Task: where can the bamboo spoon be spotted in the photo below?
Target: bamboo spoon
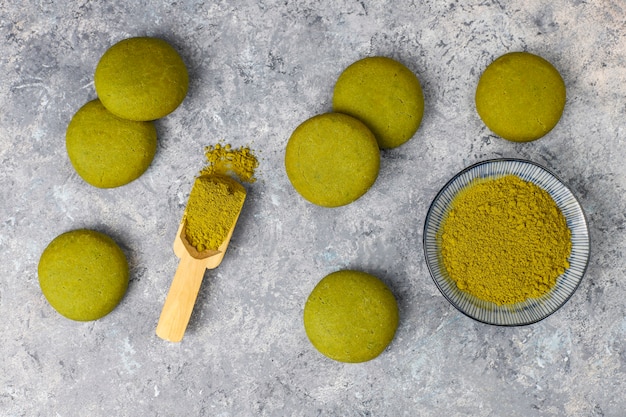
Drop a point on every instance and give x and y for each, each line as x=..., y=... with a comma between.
x=186, y=284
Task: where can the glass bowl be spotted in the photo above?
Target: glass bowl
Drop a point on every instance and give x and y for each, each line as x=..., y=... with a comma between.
x=534, y=309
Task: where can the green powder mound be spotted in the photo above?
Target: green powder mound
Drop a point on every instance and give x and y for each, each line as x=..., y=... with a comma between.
x=212, y=209
x=226, y=160
x=520, y=97
x=351, y=316
x=141, y=79
x=107, y=151
x=83, y=274
x=383, y=94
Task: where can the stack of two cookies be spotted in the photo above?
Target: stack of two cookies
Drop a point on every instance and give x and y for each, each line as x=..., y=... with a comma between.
x=332, y=159
x=111, y=140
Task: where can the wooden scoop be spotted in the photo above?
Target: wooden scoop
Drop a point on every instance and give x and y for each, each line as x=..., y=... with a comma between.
x=187, y=281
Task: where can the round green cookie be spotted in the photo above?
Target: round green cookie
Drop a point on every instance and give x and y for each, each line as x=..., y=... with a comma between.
x=383, y=94
x=351, y=316
x=141, y=79
x=332, y=159
x=83, y=274
x=520, y=96
x=107, y=151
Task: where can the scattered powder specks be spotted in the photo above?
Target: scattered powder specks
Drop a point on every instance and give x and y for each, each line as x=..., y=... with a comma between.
x=224, y=160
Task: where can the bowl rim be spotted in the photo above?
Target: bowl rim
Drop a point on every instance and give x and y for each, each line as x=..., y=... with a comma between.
x=431, y=268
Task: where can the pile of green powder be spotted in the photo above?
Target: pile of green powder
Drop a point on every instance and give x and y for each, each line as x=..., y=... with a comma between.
x=226, y=160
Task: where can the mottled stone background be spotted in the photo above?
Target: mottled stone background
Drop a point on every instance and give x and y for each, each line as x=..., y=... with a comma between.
x=258, y=69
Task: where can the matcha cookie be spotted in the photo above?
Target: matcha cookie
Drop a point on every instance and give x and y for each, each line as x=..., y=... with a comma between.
x=332, y=159
x=351, y=316
x=383, y=94
x=520, y=97
x=83, y=274
x=141, y=79
x=107, y=151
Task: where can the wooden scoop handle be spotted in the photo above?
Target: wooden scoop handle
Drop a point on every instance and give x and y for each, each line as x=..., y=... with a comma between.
x=181, y=298
x=185, y=286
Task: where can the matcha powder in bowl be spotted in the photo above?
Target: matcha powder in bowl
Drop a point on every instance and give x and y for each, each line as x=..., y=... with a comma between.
x=506, y=242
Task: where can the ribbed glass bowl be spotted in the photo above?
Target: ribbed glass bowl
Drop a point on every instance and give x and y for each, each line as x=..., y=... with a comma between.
x=531, y=310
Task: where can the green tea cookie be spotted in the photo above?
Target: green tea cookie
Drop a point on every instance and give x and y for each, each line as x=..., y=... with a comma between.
x=83, y=274
x=351, y=316
x=383, y=94
x=520, y=97
x=332, y=159
x=107, y=151
x=141, y=79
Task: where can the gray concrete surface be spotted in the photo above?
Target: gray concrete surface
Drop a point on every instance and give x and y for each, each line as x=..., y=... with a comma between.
x=258, y=69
